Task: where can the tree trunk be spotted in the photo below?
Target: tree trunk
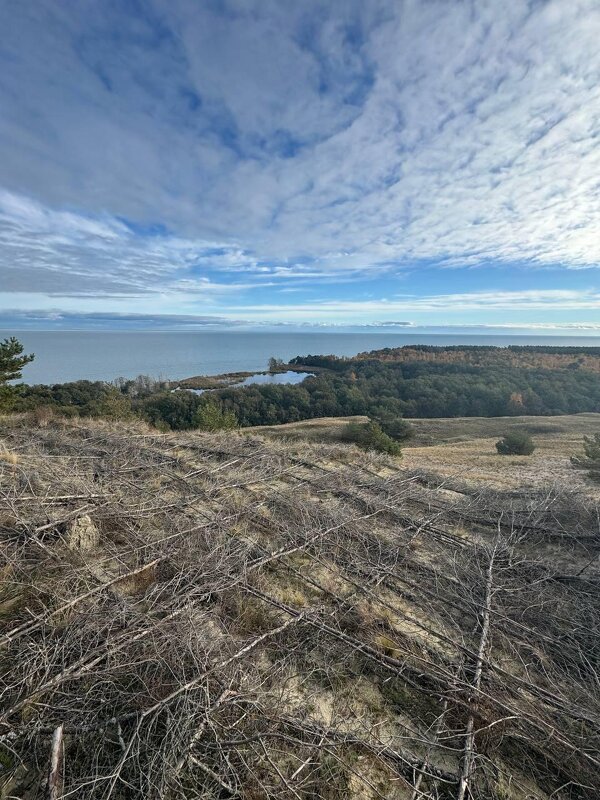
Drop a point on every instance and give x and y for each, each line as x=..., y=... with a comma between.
x=469, y=750
x=55, y=776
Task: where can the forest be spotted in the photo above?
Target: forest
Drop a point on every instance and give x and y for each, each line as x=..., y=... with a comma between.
x=527, y=356
x=385, y=390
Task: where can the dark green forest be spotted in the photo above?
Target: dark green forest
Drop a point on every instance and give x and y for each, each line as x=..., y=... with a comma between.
x=384, y=391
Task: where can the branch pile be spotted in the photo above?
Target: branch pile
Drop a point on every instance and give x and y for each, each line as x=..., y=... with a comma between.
x=213, y=616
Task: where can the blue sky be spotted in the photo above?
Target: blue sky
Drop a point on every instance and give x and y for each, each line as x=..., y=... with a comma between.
x=329, y=162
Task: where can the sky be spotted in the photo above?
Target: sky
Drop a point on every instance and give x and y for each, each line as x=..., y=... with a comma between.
x=221, y=163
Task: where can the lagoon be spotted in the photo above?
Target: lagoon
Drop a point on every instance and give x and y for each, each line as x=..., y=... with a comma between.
x=262, y=378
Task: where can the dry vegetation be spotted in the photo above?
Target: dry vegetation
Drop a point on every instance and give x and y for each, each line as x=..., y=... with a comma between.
x=322, y=429
x=213, y=381
x=214, y=616
x=567, y=429
x=463, y=448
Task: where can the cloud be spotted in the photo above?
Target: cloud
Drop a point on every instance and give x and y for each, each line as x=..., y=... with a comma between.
x=373, y=314
x=551, y=301
x=64, y=253
x=58, y=318
x=563, y=327
x=201, y=150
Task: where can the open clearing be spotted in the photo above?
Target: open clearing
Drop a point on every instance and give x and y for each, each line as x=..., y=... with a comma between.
x=465, y=449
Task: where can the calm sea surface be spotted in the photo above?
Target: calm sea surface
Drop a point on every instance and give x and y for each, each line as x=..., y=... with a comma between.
x=72, y=355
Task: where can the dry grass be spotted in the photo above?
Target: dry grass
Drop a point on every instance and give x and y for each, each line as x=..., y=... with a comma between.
x=453, y=429
x=8, y=456
x=465, y=449
x=323, y=429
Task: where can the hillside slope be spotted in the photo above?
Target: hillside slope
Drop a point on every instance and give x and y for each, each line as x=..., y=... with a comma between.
x=463, y=448
x=213, y=616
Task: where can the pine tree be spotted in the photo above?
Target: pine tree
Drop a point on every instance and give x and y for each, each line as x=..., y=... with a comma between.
x=12, y=362
x=515, y=443
x=591, y=460
x=211, y=417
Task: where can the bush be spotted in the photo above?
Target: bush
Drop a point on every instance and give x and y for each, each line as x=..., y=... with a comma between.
x=396, y=428
x=370, y=436
x=42, y=416
x=115, y=405
x=515, y=443
x=211, y=417
x=591, y=461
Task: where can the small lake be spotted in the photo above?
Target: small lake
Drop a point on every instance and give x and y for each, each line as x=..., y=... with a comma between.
x=276, y=377
x=266, y=379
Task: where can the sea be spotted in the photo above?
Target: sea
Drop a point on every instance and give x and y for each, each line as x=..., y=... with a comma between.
x=62, y=356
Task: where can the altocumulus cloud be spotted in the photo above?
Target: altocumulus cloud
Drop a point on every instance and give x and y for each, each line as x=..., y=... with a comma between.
x=207, y=150
x=548, y=301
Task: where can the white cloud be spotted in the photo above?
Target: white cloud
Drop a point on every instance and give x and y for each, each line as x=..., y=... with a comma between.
x=66, y=253
x=536, y=326
x=549, y=301
x=356, y=134
x=478, y=141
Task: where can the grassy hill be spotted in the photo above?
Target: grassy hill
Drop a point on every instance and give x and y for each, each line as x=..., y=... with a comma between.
x=239, y=615
x=463, y=448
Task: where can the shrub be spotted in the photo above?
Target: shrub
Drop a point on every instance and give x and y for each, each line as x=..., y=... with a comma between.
x=591, y=460
x=515, y=443
x=396, y=428
x=211, y=417
x=115, y=405
x=370, y=436
x=42, y=416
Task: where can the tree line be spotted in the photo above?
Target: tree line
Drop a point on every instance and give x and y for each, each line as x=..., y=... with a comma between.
x=388, y=392
x=383, y=390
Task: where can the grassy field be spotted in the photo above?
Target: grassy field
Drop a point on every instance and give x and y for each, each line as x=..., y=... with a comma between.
x=465, y=447
x=436, y=431
x=323, y=429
